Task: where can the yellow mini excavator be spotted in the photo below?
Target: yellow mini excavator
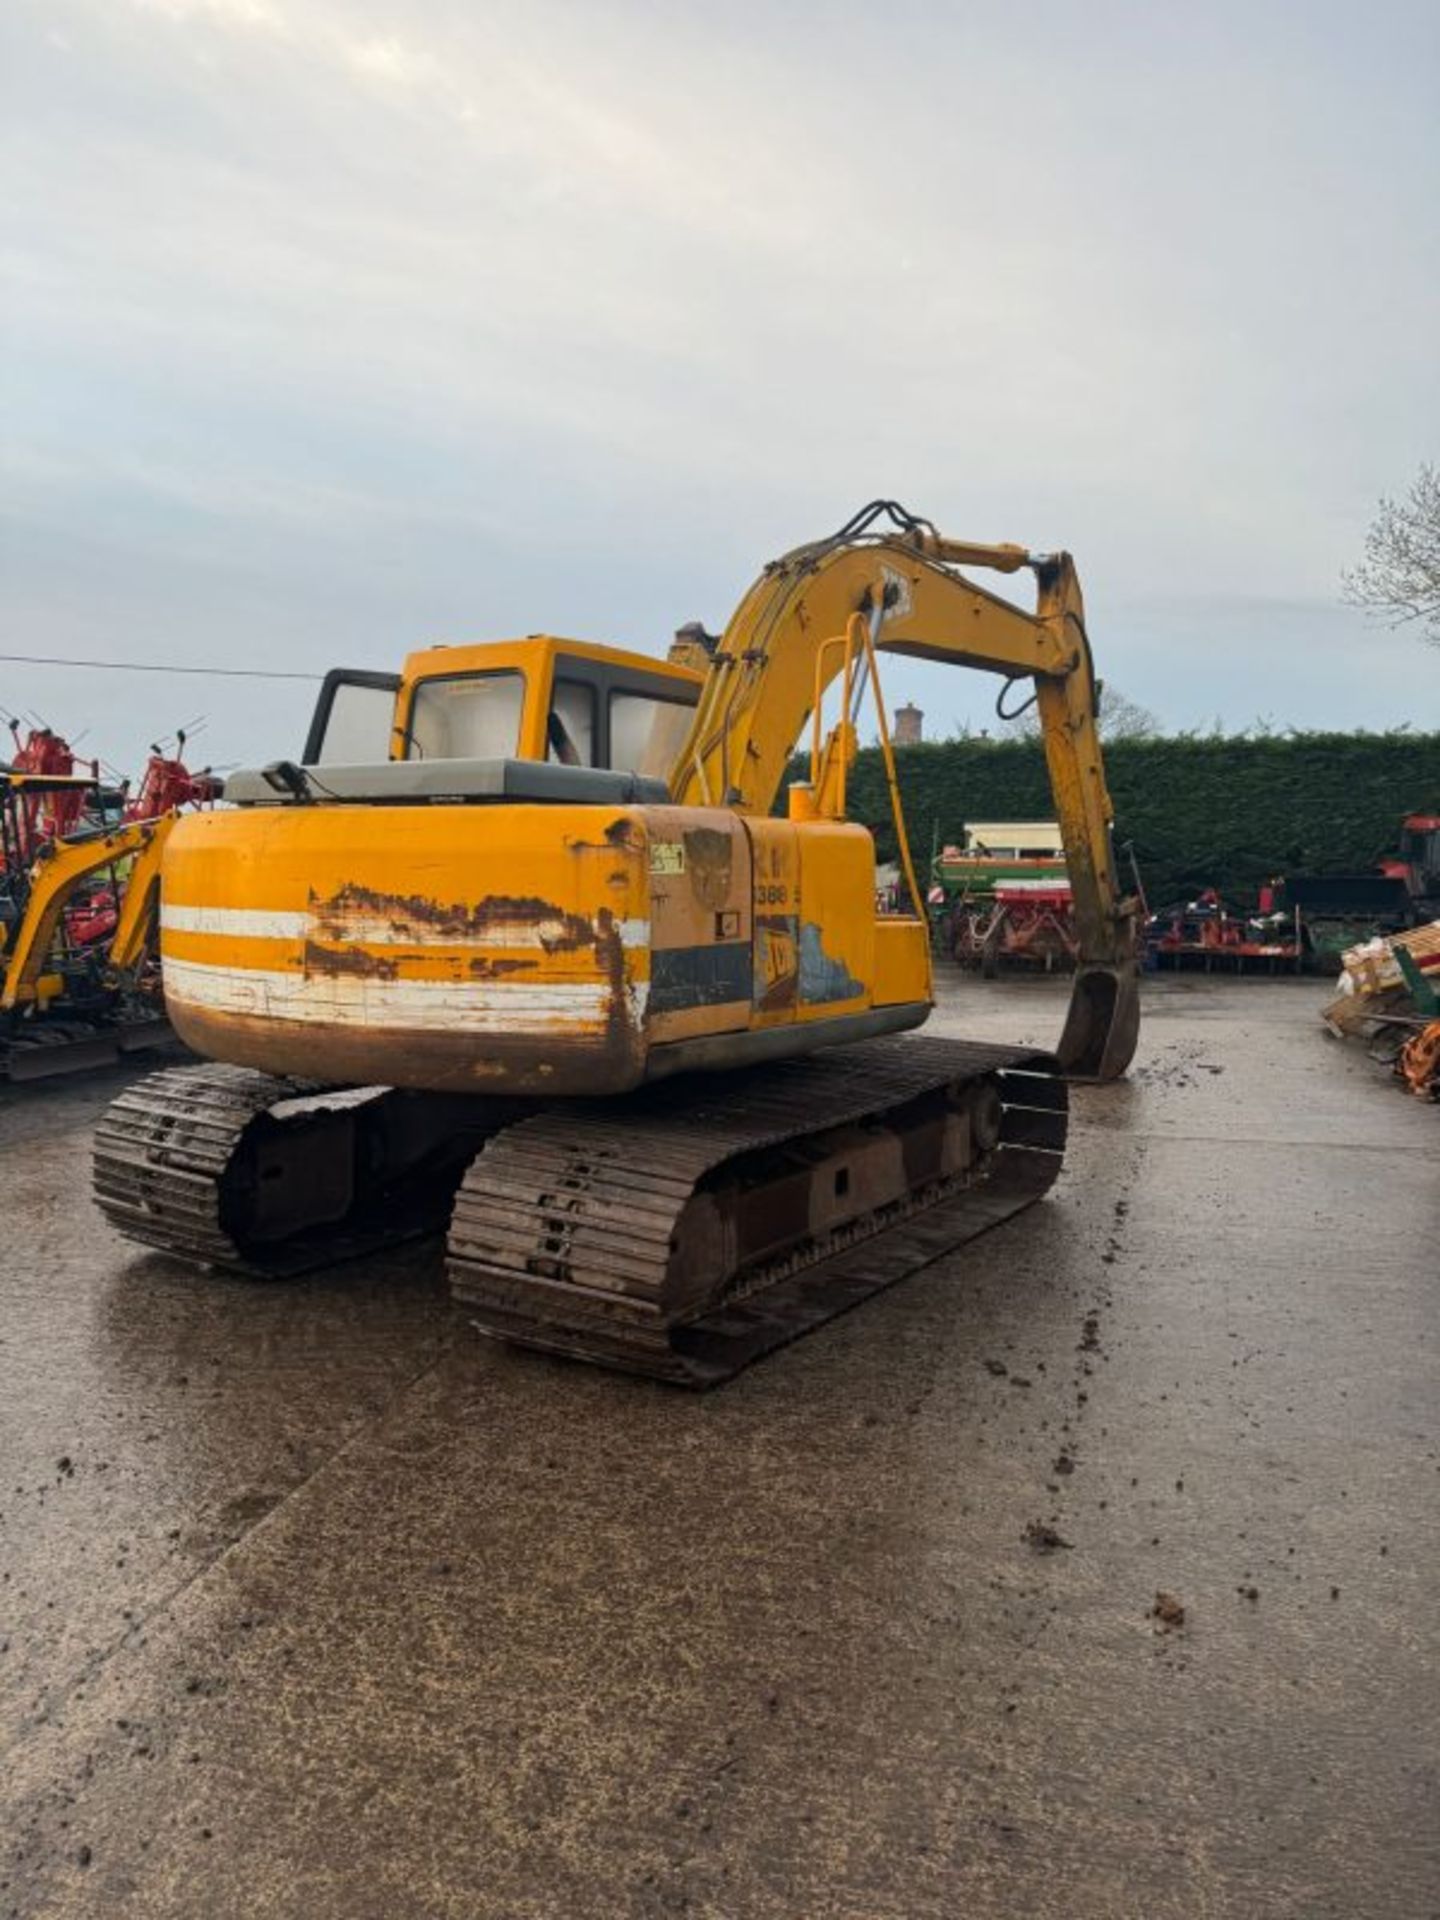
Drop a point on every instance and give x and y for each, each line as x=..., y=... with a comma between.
x=520, y=939
x=68, y=1007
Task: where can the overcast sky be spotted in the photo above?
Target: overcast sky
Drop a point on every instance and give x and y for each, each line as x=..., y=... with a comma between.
x=334, y=329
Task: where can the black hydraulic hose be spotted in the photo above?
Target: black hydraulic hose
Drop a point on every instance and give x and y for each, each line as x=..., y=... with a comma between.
x=1024, y=706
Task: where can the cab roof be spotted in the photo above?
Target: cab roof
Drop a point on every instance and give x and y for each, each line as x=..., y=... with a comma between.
x=536, y=649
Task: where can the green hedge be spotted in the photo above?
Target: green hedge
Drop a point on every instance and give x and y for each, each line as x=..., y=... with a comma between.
x=1200, y=812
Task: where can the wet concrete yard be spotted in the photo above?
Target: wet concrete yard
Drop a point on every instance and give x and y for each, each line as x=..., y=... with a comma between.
x=312, y=1603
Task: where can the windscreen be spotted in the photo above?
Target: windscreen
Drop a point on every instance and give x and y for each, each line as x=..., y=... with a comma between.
x=473, y=716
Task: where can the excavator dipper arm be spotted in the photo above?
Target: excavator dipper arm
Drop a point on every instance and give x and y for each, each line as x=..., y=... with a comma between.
x=774, y=657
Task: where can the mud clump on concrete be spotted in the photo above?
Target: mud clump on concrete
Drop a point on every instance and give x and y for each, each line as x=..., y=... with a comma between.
x=1168, y=1610
x=1043, y=1538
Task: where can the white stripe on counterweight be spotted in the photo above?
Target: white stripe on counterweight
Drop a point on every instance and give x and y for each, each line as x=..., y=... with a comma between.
x=246, y=922
x=251, y=923
x=489, y=1006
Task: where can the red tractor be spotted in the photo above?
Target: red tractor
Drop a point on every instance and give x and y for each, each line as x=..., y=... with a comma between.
x=1339, y=910
x=1417, y=864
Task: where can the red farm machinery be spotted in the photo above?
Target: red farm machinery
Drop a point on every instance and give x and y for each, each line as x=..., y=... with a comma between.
x=1002, y=898
x=79, y=985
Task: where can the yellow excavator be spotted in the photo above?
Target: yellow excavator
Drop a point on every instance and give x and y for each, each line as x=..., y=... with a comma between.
x=521, y=940
x=87, y=1009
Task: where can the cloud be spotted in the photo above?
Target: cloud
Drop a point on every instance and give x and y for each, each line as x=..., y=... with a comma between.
x=249, y=16
x=421, y=317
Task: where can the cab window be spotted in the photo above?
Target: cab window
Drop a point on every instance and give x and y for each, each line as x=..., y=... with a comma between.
x=646, y=733
x=358, y=725
x=472, y=716
x=354, y=718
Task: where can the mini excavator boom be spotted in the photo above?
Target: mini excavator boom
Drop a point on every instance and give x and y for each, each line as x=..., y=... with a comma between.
x=59, y=869
x=549, y=946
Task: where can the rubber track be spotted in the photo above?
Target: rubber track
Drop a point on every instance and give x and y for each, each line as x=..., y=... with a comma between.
x=561, y=1234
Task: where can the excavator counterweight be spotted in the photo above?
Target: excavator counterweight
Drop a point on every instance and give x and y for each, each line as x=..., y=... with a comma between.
x=522, y=938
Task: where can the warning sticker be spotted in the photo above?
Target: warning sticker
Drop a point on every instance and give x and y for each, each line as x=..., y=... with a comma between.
x=667, y=856
x=898, y=601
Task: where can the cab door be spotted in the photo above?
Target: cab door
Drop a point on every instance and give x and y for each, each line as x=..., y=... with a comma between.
x=354, y=719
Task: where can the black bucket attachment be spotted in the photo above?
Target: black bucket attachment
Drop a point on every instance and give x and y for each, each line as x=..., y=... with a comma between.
x=1103, y=1024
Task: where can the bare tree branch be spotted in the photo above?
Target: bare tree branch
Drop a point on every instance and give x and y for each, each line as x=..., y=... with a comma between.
x=1120, y=719
x=1398, y=577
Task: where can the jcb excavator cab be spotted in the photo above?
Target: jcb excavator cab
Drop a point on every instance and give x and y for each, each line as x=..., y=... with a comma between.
x=544, y=700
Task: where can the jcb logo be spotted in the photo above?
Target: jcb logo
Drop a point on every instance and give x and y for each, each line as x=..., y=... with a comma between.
x=779, y=959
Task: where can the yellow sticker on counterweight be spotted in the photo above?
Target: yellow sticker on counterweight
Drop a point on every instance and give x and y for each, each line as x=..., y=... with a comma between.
x=667, y=856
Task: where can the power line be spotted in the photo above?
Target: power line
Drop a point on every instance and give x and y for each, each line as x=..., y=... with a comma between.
x=141, y=666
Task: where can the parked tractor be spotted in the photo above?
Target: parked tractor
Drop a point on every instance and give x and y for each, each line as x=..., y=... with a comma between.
x=1340, y=910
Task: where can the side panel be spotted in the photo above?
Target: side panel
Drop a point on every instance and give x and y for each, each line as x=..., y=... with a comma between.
x=700, y=921
x=903, y=973
x=490, y=948
x=837, y=919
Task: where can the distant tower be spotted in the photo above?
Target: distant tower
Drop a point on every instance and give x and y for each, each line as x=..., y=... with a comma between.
x=909, y=726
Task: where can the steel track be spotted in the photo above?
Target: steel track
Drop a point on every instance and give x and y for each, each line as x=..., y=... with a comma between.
x=180, y=1158
x=568, y=1228
x=565, y=1225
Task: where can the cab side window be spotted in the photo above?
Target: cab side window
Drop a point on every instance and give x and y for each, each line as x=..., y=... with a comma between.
x=647, y=733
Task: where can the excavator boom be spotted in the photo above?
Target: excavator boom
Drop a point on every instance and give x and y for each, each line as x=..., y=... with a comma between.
x=771, y=665
x=62, y=866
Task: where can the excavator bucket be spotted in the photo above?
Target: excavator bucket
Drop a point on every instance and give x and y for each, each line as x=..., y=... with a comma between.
x=1103, y=1024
